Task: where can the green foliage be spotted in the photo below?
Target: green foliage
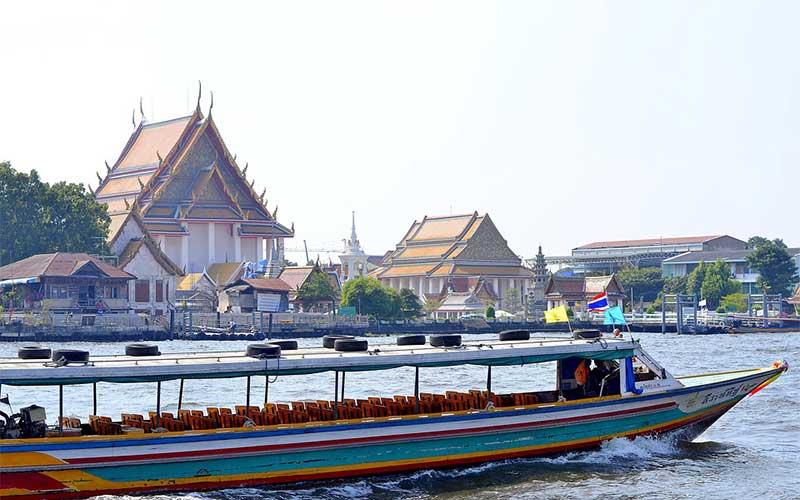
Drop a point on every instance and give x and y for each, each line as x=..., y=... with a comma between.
x=490, y=312
x=36, y=217
x=410, y=306
x=734, y=302
x=756, y=241
x=717, y=283
x=570, y=313
x=646, y=281
x=371, y=298
x=776, y=267
x=675, y=284
x=694, y=281
x=721, y=310
x=651, y=309
x=317, y=288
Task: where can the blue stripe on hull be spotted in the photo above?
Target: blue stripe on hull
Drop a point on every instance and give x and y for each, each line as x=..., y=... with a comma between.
x=374, y=454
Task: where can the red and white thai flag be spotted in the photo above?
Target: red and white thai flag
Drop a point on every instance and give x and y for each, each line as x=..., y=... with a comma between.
x=599, y=302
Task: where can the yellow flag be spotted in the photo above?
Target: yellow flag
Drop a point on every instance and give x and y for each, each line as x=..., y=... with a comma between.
x=556, y=315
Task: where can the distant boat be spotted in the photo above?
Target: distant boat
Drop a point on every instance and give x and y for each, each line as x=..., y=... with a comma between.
x=606, y=388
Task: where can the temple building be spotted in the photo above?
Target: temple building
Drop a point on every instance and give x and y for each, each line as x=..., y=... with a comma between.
x=456, y=254
x=176, y=184
x=354, y=262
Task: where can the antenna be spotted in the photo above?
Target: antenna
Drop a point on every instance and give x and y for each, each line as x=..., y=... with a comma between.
x=306, y=248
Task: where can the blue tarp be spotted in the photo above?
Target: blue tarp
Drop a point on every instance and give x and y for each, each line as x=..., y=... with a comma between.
x=630, y=377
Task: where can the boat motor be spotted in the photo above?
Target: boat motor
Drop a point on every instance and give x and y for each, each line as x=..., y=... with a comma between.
x=30, y=422
x=33, y=421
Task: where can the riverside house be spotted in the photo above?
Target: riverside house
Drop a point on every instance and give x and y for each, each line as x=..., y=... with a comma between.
x=574, y=292
x=66, y=282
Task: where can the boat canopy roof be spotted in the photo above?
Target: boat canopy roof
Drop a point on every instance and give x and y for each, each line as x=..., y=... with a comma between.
x=209, y=365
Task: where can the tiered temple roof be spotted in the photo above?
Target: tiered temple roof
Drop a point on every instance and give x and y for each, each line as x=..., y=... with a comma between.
x=452, y=246
x=178, y=171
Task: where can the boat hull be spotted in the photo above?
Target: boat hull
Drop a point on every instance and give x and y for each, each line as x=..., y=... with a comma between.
x=82, y=467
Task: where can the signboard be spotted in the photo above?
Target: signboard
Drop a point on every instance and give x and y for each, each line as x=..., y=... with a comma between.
x=349, y=312
x=269, y=302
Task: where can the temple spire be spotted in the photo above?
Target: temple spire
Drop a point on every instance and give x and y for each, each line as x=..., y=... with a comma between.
x=353, y=237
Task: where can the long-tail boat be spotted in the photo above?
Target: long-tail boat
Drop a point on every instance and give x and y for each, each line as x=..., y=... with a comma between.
x=605, y=389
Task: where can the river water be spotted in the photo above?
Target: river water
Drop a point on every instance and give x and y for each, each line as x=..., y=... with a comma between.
x=753, y=451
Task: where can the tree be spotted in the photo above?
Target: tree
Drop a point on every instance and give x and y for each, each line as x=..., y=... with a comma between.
x=646, y=281
x=674, y=284
x=36, y=217
x=490, y=312
x=371, y=298
x=410, y=306
x=695, y=279
x=513, y=300
x=317, y=288
x=755, y=241
x=734, y=302
x=772, y=261
x=717, y=283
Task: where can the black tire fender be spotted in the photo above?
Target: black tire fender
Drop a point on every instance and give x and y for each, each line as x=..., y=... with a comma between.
x=139, y=349
x=329, y=340
x=349, y=345
x=34, y=352
x=449, y=340
x=411, y=340
x=264, y=351
x=510, y=335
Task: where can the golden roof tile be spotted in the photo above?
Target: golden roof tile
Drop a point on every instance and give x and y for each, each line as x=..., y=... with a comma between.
x=152, y=139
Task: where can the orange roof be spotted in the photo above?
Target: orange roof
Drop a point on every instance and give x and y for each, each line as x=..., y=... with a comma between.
x=423, y=251
x=442, y=271
x=117, y=220
x=442, y=228
x=153, y=137
x=121, y=185
x=648, y=242
x=418, y=270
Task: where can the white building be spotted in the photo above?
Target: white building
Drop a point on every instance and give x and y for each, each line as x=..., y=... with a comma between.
x=353, y=259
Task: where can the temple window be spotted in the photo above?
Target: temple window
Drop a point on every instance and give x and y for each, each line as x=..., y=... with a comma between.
x=142, y=291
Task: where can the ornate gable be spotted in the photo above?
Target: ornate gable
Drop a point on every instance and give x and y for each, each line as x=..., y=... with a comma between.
x=486, y=243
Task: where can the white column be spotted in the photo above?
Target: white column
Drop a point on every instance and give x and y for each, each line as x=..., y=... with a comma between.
x=152, y=286
x=260, y=249
x=237, y=243
x=185, y=252
x=212, y=245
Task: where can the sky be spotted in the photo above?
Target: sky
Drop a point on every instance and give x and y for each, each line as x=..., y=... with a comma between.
x=568, y=122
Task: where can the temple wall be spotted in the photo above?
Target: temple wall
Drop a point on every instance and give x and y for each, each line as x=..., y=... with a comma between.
x=172, y=247
x=224, y=245
x=249, y=249
x=198, y=247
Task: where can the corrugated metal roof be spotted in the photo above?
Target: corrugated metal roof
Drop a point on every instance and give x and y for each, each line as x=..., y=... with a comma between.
x=648, y=242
